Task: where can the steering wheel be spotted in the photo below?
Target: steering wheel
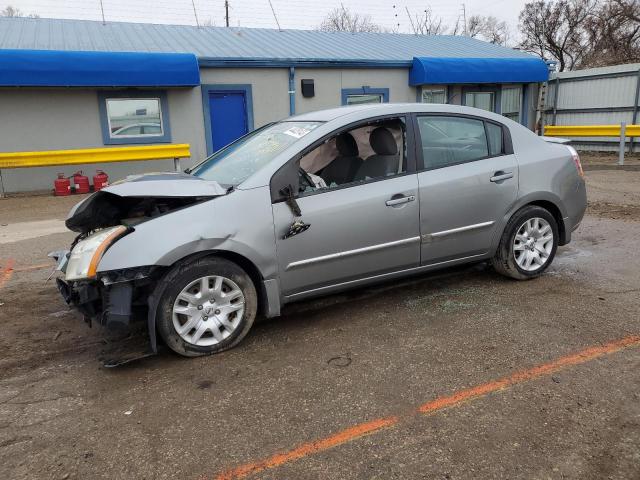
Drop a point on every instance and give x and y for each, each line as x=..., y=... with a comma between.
x=306, y=179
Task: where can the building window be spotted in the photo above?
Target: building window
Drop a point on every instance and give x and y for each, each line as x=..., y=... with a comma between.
x=482, y=100
x=360, y=99
x=362, y=95
x=511, y=103
x=134, y=117
x=434, y=95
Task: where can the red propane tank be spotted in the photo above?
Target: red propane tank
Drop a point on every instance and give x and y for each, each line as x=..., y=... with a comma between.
x=81, y=182
x=61, y=186
x=100, y=180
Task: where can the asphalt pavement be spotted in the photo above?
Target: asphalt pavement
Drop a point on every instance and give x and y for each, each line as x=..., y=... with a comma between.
x=453, y=375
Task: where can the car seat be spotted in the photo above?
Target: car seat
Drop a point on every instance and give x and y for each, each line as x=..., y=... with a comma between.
x=385, y=160
x=344, y=167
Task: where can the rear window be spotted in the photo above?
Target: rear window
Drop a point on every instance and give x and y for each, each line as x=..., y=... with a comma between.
x=451, y=140
x=494, y=134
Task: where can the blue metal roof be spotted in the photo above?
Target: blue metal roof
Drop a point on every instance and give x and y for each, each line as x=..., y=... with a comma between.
x=45, y=68
x=219, y=46
x=477, y=70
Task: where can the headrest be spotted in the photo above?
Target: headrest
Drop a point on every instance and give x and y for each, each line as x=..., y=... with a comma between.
x=382, y=142
x=346, y=145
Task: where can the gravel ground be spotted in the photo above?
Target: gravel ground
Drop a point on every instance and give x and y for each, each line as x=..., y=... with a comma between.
x=333, y=363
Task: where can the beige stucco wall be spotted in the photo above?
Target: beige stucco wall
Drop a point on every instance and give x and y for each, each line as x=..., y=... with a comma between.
x=61, y=119
x=329, y=83
x=269, y=87
x=51, y=119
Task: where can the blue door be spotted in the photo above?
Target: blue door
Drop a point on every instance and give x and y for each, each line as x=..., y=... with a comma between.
x=228, y=112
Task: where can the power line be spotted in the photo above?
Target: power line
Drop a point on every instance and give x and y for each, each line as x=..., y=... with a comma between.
x=274, y=15
x=102, y=10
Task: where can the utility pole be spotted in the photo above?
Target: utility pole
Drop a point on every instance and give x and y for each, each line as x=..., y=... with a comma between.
x=464, y=18
x=102, y=10
x=195, y=13
x=226, y=12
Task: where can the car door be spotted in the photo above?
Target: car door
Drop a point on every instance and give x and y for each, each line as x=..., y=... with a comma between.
x=468, y=183
x=357, y=230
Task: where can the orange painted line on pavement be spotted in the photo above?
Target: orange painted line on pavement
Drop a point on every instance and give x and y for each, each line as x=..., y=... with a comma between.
x=435, y=405
x=6, y=272
x=307, y=449
x=33, y=267
x=530, y=374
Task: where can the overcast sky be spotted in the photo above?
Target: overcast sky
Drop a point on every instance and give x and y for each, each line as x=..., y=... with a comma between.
x=300, y=14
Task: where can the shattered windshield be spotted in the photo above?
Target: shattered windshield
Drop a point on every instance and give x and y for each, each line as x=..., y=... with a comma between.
x=237, y=161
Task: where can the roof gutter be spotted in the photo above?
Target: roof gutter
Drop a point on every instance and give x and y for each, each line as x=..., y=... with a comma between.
x=213, y=62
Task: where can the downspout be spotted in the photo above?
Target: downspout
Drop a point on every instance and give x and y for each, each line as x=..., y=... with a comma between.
x=292, y=91
x=635, y=109
x=555, y=99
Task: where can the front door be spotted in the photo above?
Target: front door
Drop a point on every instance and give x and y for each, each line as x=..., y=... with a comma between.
x=355, y=232
x=470, y=183
x=228, y=116
x=362, y=207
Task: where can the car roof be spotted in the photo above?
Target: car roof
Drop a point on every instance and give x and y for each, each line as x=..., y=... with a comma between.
x=362, y=112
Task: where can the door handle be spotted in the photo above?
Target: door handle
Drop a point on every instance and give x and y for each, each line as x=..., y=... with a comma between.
x=500, y=176
x=399, y=201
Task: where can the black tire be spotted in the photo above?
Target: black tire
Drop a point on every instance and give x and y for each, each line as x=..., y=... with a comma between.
x=178, y=278
x=504, y=260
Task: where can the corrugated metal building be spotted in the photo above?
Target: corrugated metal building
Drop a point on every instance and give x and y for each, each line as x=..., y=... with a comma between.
x=67, y=84
x=594, y=96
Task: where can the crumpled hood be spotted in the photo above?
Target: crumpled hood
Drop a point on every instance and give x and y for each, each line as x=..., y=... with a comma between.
x=140, y=197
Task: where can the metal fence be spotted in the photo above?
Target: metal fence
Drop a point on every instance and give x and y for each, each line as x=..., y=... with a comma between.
x=596, y=96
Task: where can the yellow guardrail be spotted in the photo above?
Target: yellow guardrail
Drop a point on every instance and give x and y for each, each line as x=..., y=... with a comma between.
x=591, y=130
x=94, y=155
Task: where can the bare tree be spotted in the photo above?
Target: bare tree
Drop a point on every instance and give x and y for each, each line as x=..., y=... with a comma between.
x=343, y=20
x=614, y=33
x=10, y=11
x=556, y=30
x=488, y=28
x=495, y=31
x=426, y=23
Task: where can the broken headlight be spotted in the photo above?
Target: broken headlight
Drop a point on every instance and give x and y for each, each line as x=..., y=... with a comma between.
x=84, y=258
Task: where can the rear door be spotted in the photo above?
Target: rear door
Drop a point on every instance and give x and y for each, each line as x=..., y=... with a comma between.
x=468, y=182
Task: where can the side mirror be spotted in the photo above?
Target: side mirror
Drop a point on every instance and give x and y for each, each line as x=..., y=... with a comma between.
x=284, y=179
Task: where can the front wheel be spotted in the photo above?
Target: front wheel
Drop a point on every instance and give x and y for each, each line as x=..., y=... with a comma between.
x=528, y=244
x=207, y=306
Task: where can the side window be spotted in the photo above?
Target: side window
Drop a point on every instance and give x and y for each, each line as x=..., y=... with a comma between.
x=368, y=152
x=494, y=135
x=451, y=140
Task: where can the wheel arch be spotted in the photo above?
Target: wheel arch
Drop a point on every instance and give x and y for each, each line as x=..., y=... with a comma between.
x=546, y=200
x=267, y=302
x=243, y=262
x=554, y=210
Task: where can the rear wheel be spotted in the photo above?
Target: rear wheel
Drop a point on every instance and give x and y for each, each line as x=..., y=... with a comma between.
x=207, y=306
x=528, y=244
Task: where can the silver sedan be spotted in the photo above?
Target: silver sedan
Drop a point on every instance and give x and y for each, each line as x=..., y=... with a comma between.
x=319, y=203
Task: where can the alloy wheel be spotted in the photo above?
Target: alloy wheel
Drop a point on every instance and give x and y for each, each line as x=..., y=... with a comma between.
x=533, y=244
x=208, y=310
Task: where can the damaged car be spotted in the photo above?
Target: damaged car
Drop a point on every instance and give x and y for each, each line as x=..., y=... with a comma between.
x=316, y=204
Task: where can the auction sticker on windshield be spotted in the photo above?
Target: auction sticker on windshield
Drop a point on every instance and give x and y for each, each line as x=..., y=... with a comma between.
x=298, y=132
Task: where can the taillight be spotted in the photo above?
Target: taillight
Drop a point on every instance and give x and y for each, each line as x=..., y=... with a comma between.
x=576, y=160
